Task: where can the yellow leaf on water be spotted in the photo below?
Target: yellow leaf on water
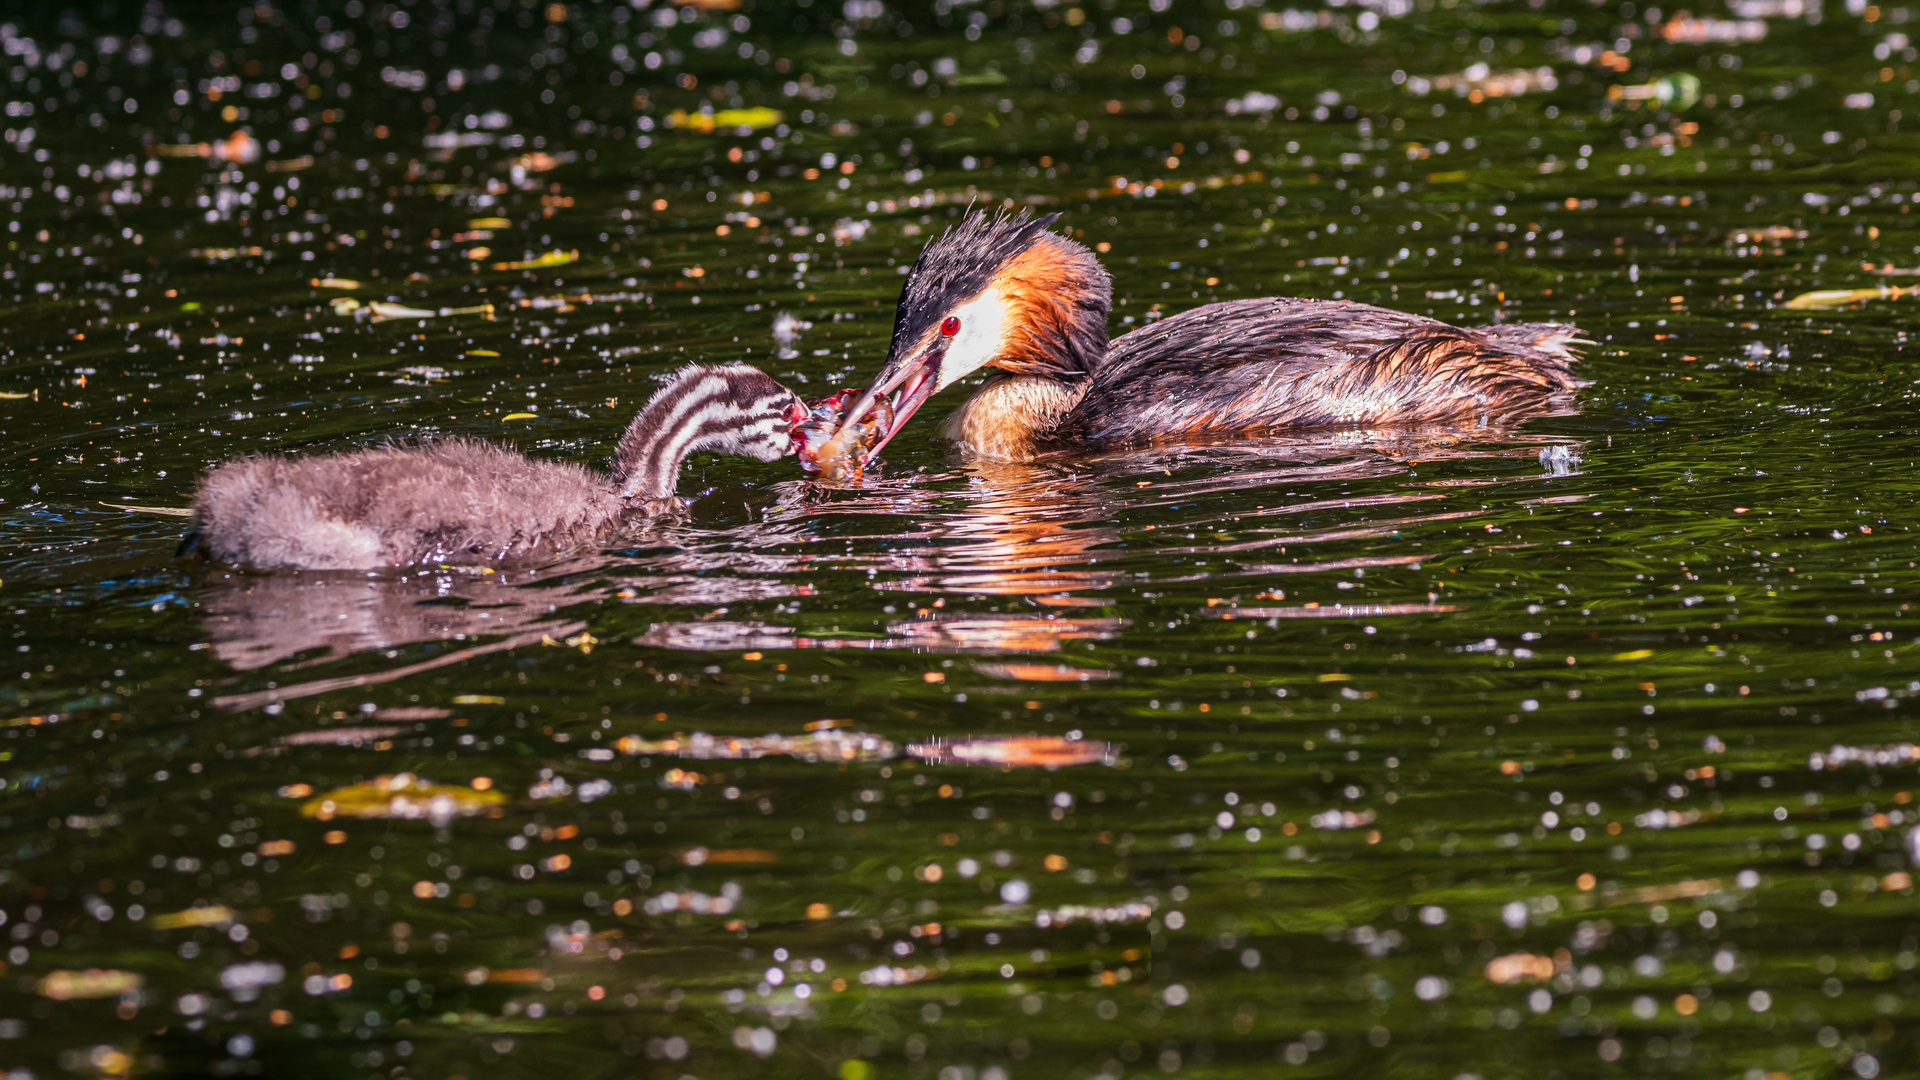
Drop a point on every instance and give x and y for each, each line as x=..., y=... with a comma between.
x=1636, y=654
x=91, y=983
x=520, y=416
x=1830, y=298
x=402, y=795
x=753, y=119
x=481, y=352
x=8, y=395
x=333, y=283
x=478, y=699
x=541, y=262
x=213, y=915
x=489, y=223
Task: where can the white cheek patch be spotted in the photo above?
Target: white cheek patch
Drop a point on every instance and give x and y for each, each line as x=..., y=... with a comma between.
x=984, y=323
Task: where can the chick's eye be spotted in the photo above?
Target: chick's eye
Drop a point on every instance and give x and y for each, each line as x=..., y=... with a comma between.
x=950, y=327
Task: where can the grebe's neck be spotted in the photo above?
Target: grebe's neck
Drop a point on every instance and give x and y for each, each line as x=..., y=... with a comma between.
x=1010, y=416
x=1060, y=298
x=707, y=408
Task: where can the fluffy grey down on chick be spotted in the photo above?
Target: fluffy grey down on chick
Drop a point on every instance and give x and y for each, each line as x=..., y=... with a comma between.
x=463, y=501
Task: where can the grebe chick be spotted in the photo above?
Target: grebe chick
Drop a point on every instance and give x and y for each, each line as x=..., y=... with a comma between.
x=464, y=501
x=1007, y=293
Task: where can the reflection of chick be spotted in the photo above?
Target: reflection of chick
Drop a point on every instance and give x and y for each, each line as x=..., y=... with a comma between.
x=471, y=502
x=253, y=620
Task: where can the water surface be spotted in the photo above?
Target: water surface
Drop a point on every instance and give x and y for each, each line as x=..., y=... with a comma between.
x=1577, y=748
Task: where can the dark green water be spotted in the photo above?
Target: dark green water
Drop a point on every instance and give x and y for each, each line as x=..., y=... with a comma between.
x=1357, y=753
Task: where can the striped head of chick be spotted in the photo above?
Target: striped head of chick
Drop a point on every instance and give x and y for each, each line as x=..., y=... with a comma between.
x=730, y=408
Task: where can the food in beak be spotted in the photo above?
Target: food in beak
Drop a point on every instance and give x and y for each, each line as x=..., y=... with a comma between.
x=835, y=449
x=914, y=379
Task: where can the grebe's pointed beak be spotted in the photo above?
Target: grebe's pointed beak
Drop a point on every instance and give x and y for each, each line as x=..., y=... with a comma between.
x=915, y=375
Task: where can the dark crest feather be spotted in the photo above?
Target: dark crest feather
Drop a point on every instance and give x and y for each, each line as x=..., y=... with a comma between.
x=958, y=265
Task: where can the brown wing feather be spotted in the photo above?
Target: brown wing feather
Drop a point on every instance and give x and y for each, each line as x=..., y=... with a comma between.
x=1252, y=365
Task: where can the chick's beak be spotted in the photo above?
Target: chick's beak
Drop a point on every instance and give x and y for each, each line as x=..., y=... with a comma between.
x=914, y=375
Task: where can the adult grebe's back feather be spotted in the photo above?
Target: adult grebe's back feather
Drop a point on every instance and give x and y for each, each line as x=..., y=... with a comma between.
x=1255, y=365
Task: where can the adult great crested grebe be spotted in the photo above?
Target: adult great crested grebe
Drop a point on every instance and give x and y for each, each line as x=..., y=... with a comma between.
x=462, y=501
x=1005, y=292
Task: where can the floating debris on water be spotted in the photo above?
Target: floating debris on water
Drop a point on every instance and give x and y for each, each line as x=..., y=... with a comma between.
x=239, y=148
x=741, y=120
x=209, y=915
x=699, y=856
x=540, y=262
x=1130, y=911
x=1700, y=31
x=85, y=985
x=787, y=327
x=1011, y=633
x=343, y=736
x=1833, y=298
x=822, y=745
x=683, y=779
x=1341, y=819
x=1680, y=91
x=383, y=311
x=1044, y=672
x=1520, y=967
x=1330, y=611
x=245, y=980
x=402, y=796
x=1017, y=751
x=888, y=975
x=1898, y=754
x=1480, y=81
x=1770, y=234
x=697, y=903
x=167, y=511
x=1254, y=101
x=1559, y=460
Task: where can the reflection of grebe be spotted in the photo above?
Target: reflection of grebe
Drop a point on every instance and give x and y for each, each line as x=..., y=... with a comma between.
x=1004, y=292
x=465, y=501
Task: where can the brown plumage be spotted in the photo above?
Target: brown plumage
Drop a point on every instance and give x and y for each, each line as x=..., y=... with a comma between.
x=462, y=501
x=1004, y=292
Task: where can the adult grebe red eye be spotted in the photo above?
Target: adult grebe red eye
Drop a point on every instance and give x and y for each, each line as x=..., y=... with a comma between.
x=950, y=327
